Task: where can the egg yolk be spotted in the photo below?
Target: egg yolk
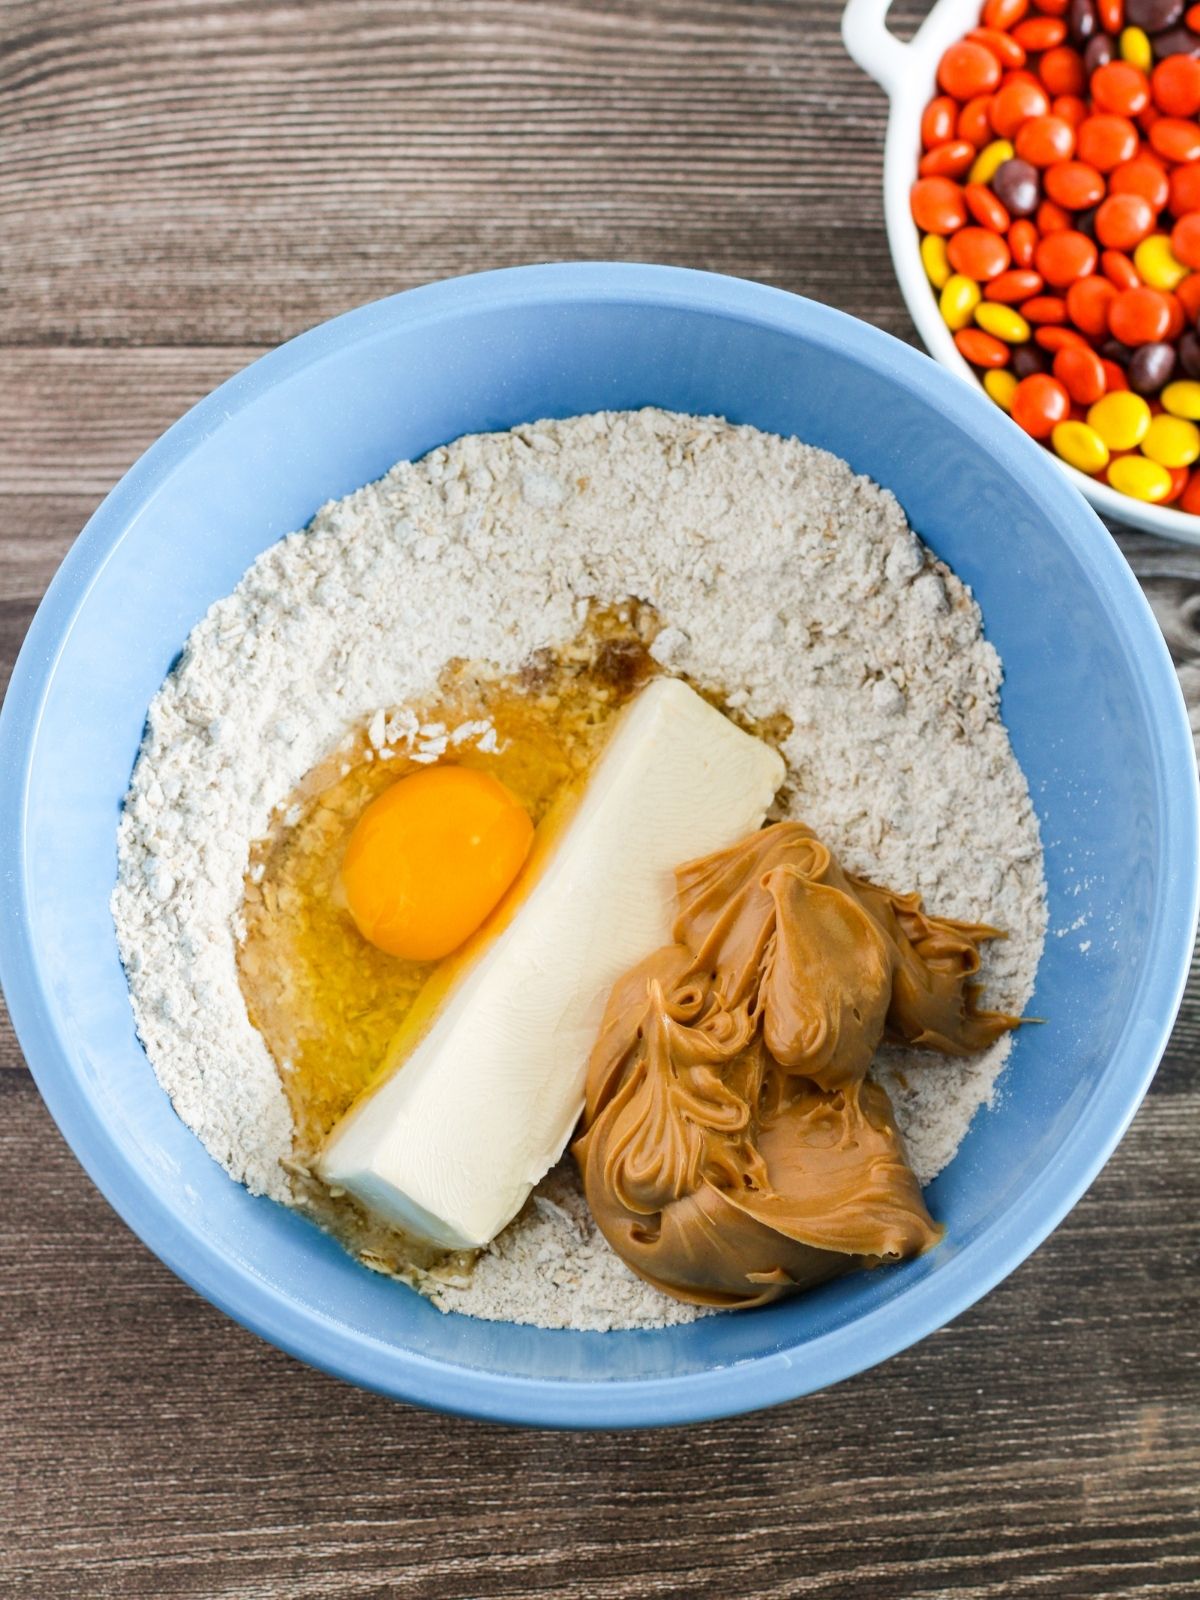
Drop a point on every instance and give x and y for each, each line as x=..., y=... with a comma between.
x=430, y=857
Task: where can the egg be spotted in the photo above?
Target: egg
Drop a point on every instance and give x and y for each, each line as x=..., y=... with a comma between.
x=430, y=858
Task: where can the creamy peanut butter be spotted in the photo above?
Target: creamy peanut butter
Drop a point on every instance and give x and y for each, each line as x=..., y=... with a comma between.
x=731, y=1148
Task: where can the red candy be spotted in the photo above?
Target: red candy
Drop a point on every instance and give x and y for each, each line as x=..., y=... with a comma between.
x=951, y=160
x=1081, y=373
x=939, y=121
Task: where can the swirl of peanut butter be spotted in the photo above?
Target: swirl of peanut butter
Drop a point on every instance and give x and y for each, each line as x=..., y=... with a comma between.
x=732, y=1149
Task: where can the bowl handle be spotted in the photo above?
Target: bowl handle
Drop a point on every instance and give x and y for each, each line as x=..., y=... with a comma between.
x=868, y=42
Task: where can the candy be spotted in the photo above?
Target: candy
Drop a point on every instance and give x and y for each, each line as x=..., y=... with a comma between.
x=1185, y=239
x=1038, y=403
x=1121, y=420
x=951, y=160
x=1139, y=478
x=1015, y=103
x=978, y=253
x=1150, y=366
x=1000, y=384
x=985, y=208
x=1002, y=322
x=968, y=69
x=980, y=348
x=1139, y=316
x=1175, y=85
x=934, y=260
x=1172, y=441
x=1076, y=185
x=937, y=205
x=1105, y=140
x=990, y=159
x=1153, y=15
x=1081, y=373
x=958, y=300
x=1079, y=446
x=1063, y=257
x=1120, y=87
x=1044, y=140
x=1157, y=264
x=1135, y=47
x=939, y=121
x=1013, y=286
x=1182, y=399
x=1123, y=221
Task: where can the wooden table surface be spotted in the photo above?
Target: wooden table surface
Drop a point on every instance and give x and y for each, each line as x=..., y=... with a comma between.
x=184, y=183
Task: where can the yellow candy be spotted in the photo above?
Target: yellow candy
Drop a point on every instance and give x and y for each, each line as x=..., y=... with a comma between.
x=1139, y=478
x=1135, y=47
x=1002, y=322
x=989, y=160
x=958, y=300
x=1172, y=442
x=1000, y=384
x=1182, y=399
x=1121, y=419
x=1158, y=263
x=1080, y=446
x=935, y=261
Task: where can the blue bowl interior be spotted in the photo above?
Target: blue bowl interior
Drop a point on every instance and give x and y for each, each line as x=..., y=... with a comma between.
x=1089, y=699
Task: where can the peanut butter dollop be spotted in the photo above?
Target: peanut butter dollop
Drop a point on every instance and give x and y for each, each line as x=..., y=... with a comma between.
x=731, y=1148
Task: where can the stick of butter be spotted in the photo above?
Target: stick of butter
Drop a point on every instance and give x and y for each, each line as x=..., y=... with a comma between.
x=448, y=1145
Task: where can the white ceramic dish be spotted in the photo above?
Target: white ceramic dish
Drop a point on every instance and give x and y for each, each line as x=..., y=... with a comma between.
x=907, y=73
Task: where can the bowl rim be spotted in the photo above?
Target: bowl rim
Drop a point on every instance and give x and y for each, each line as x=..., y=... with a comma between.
x=906, y=73
x=783, y=1374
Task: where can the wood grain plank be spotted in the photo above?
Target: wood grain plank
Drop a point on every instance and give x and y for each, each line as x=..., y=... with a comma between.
x=153, y=1448
x=265, y=170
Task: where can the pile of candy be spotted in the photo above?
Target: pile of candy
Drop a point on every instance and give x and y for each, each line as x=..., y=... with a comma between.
x=1058, y=199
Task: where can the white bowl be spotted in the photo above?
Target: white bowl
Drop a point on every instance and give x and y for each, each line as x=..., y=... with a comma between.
x=908, y=75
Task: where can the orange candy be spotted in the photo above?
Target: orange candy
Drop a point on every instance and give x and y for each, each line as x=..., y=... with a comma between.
x=1176, y=139
x=1081, y=373
x=1022, y=242
x=968, y=69
x=951, y=160
x=1014, y=104
x=1044, y=309
x=985, y=208
x=1074, y=184
x=1143, y=175
x=1070, y=108
x=1112, y=15
x=978, y=253
x=1188, y=295
x=974, y=121
x=1114, y=377
x=1060, y=339
x=1088, y=300
x=1175, y=309
x=981, y=349
x=1004, y=13
x=938, y=121
x=1039, y=402
x=1119, y=269
x=1139, y=316
x=1061, y=70
x=1185, y=189
x=1052, y=218
x=937, y=205
x=1121, y=88
x=1062, y=257
x=1175, y=85
x=1044, y=140
x=1179, y=482
x=1123, y=221
x=1189, y=500
x=1002, y=45
x=1013, y=286
x=1105, y=140
x=1036, y=34
x=1185, y=239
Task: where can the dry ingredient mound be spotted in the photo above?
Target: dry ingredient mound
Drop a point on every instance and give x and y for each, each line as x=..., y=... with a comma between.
x=783, y=581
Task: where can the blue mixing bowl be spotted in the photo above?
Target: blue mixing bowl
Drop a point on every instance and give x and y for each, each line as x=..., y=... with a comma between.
x=1090, y=698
